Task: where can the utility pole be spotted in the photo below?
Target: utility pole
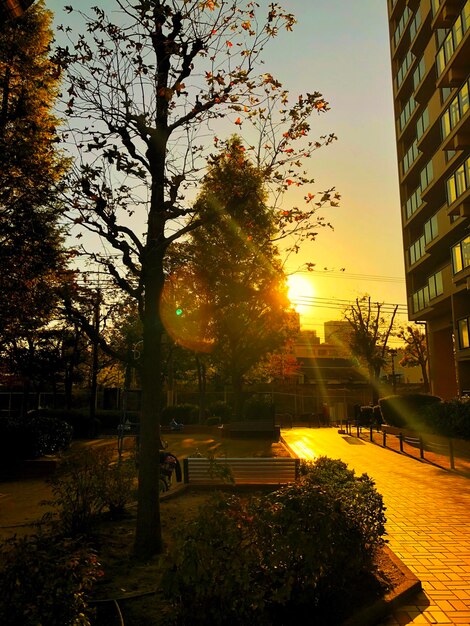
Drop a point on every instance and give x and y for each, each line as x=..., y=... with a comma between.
x=393, y=354
x=94, y=361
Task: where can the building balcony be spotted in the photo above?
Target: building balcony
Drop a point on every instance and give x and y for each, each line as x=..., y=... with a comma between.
x=395, y=7
x=446, y=13
x=412, y=4
x=422, y=36
x=427, y=86
x=456, y=69
x=461, y=206
x=459, y=137
x=462, y=278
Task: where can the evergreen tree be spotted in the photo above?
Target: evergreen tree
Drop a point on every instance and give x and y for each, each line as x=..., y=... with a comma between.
x=31, y=243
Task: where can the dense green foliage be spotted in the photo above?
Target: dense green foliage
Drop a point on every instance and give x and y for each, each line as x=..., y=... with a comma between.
x=406, y=411
x=44, y=580
x=450, y=418
x=31, y=167
x=280, y=557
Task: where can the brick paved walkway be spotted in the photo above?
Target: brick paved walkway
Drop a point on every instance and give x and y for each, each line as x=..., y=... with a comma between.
x=428, y=513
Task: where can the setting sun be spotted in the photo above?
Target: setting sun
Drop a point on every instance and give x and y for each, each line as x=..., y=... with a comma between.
x=300, y=292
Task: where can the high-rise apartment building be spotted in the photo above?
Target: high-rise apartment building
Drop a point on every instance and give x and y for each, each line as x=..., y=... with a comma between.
x=430, y=54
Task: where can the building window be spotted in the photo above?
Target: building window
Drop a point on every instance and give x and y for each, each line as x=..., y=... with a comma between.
x=401, y=25
x=417, y=250
x=463, y=326
x=420, y=299
x=453, y=38
x=415, y=24
x=459, y=182
x=435, y=4
x=436, y=287
x=407, y=112
x=419, y=73
x=422, y=124
x=413, y=203
x=410, y=156
x=431, y=229
x=456, y=110
x=426, y=175
x=404, y=67
x=461, y=255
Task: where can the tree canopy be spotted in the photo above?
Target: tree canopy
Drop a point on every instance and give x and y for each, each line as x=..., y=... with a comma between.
x=31, y=168
x=238, y=292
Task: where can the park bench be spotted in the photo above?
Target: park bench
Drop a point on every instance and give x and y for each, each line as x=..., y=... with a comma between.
x=244, y=471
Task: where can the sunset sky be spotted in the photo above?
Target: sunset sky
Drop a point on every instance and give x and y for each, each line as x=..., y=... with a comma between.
x=341, y=49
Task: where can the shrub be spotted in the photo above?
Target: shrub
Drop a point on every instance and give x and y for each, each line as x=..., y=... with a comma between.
x=222, y=410
x=32, y=437
x=44, y=580
x=406, y=411
x=449, y=419
x=182, y=413
x=289, y=551
x=212, y=421
x=87, y=484
x=258, y=410
x=46, y=435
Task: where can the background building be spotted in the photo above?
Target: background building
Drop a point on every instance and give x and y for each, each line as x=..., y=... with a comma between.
x=430, y=54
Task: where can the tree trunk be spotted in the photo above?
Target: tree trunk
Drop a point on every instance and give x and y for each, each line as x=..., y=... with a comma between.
x=148, y=537
x=424, y=371
x=237, y=385
x=374, y=385
x=202, y=384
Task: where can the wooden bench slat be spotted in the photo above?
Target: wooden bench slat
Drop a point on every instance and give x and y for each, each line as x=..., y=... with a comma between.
x=259, y=470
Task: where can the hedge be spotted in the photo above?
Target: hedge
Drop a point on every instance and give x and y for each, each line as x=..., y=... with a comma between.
x=406, y=411
x=292, y=553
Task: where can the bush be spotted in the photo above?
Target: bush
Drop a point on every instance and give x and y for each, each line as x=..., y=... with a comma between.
x=212, y=421
x=406, y=411
x=289, y=551
x=87, y=484
x=46, y=435
x=449, y=419
x=222, y=410
x=44, y=580
x=182, y=413
x=32, y=437
x=258, y=410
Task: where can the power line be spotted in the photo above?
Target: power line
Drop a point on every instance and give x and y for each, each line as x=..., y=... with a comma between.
x=345, y=275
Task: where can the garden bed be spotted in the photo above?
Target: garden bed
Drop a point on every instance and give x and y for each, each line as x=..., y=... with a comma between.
x=135, y=585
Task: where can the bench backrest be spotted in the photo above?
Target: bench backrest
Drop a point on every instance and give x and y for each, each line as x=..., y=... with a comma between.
x=255, y=471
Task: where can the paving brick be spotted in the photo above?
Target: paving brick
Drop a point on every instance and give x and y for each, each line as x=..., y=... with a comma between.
x=428, y=524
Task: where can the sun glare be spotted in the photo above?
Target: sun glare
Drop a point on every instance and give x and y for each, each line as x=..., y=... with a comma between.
x=300, y=292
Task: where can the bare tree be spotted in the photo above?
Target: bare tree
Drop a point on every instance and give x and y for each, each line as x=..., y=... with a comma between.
x=415, y=352
x=369, y=337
